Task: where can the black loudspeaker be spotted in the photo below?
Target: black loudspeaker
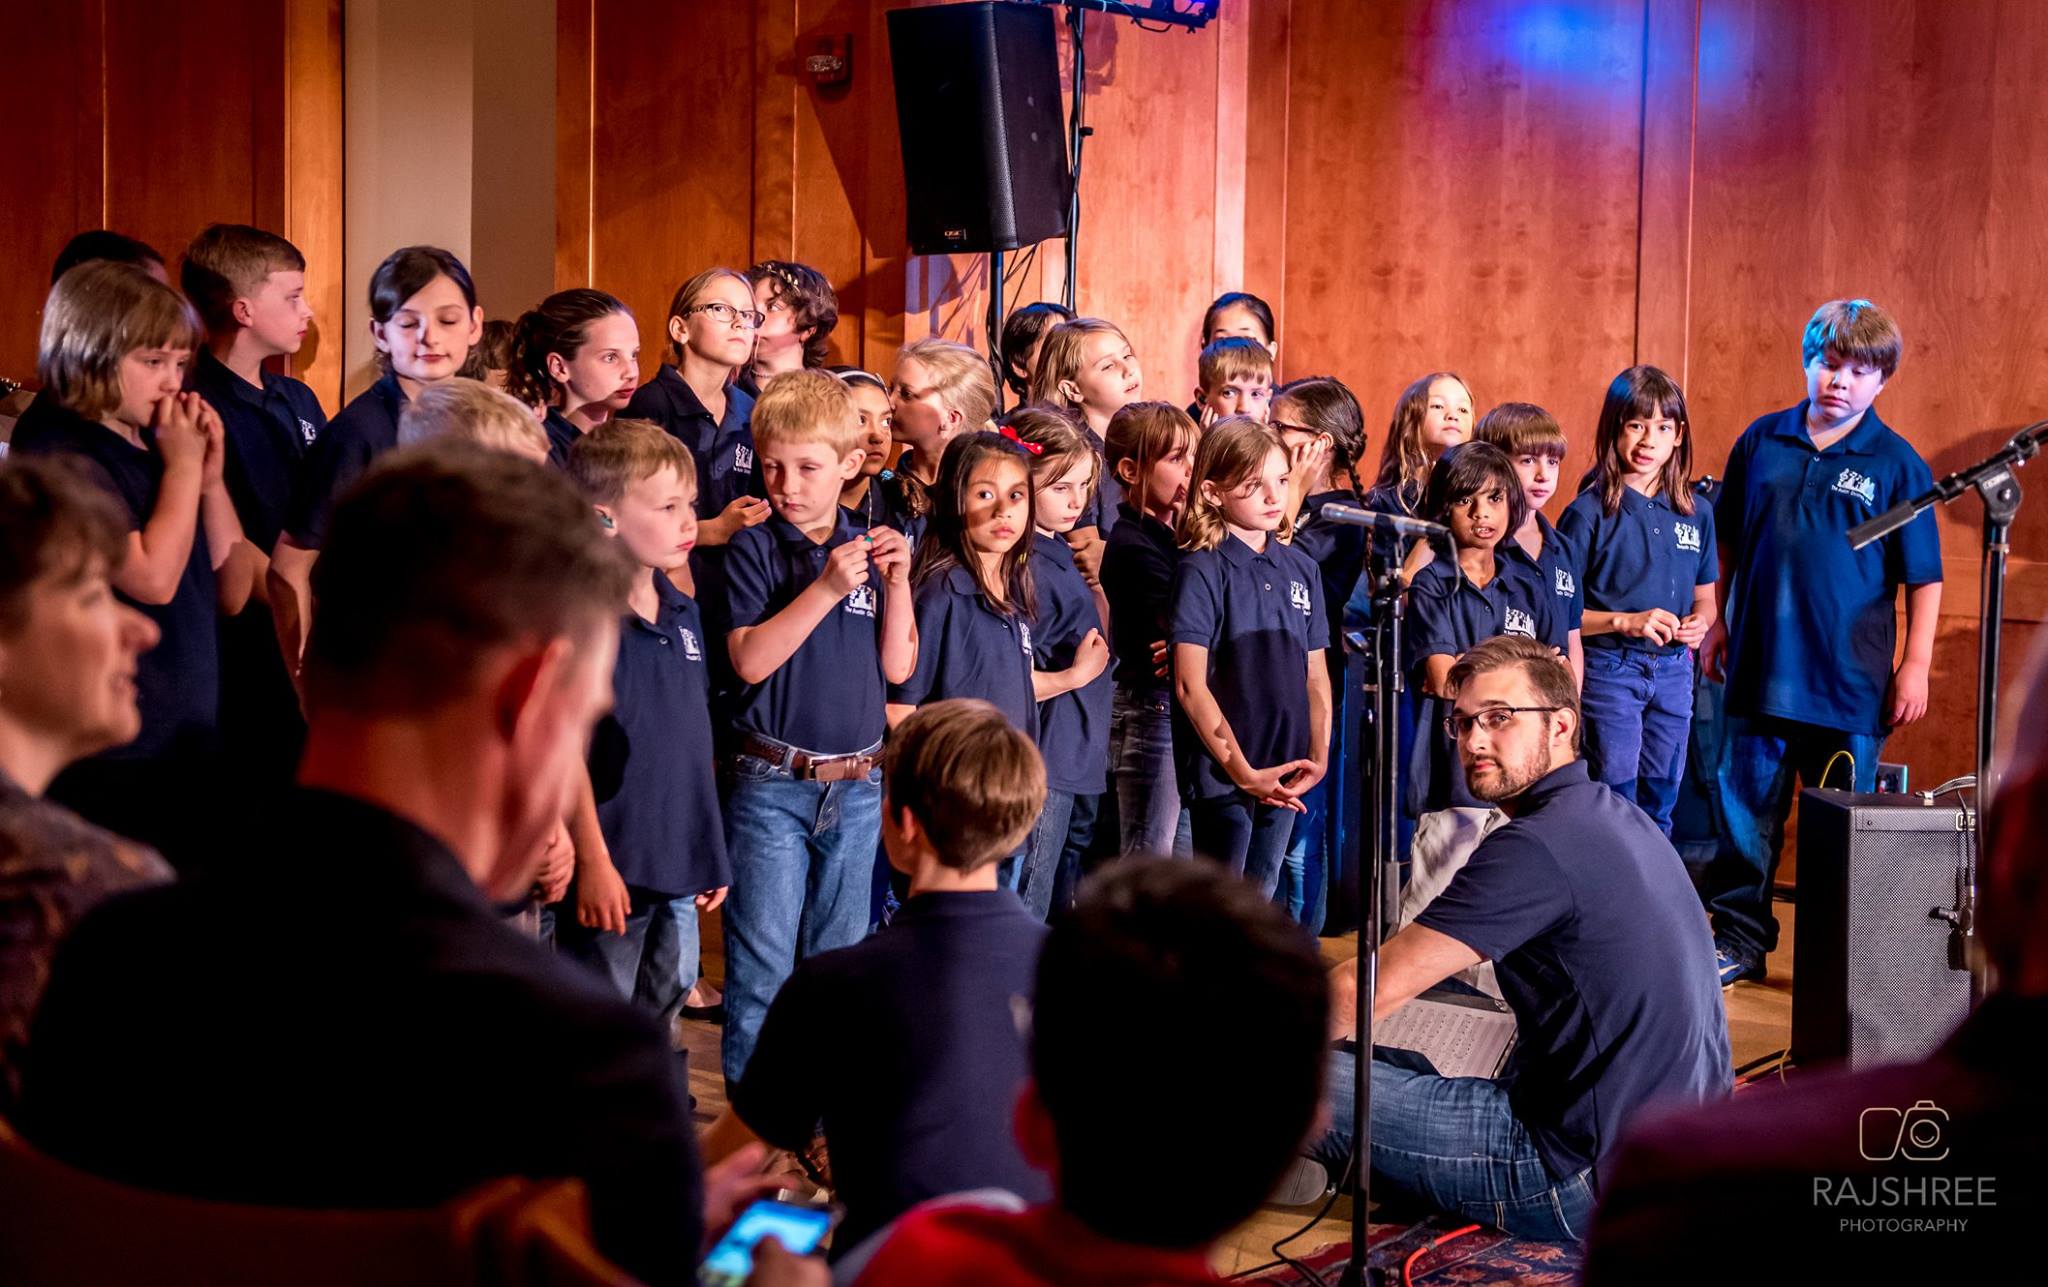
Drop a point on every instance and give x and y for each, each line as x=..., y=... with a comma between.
x=1871, y=976
x=978, y=104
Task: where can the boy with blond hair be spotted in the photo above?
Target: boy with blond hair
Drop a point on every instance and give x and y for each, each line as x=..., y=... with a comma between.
x=475, y=412
x=1234, y=378
x=651, y=763
x=820, y=620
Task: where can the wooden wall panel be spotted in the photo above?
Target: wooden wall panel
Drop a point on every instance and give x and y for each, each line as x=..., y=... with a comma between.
x=664, y=141
x=1462, y=194
x=50, y=148
x=113, y=115
x=1899, y=151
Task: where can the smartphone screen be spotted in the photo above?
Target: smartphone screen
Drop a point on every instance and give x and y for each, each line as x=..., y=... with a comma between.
x=799, y=1228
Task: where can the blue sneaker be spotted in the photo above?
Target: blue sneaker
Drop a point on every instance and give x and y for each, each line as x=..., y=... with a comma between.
x=1734, y=969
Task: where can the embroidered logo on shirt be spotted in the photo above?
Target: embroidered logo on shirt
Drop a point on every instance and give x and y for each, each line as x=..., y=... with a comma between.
x=1297, y=594
x=691, y=649
x=1520, y=623
x=1688, y=536
x=1566, y=587
x=1024, y=637
x=1851, y=483
x=308, y=430
x=742, y=458
x=861, y=600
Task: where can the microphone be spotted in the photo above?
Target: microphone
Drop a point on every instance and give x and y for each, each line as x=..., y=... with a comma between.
x=1392, y=524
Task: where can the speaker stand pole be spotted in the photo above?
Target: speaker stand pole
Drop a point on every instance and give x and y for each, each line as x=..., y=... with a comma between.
x=995, y=324
x=1077, y=137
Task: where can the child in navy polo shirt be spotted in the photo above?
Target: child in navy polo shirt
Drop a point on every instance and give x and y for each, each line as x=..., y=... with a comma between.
x=1237, y=315
x=1533, y=439
x=1456, y=604
x=114, y=351
x=1088, y=367
x=423, y=320
x=1432, y=415
x=576, y=356
x=972, y=583
x=250, y=289
x=1067, y=640
x=711, y=325
x=863, y=496
x=1151, y=449
x=1248, y=642
x=799, y=310
x=1646, y=545
x=1323, y=428
x=821, y=620
x=1809, y=623
x=1024, y=332
x=941, y=391
x=930, y=1002
x=651, y=762
x=1234, y=377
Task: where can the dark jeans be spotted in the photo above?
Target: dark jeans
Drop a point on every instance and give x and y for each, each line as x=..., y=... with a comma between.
x=1455, y=1144
x=654, y=962
x=1638, y=707
x=803, y=857
x=1763, y=757
x=1053, y=854
x=1147, y=789
x=1248, y=838
x=1305, y=870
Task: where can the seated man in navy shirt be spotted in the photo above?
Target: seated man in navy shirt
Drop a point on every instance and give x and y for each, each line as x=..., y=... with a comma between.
x=925, y=1109
x=336, y=1015
x=1596, y=936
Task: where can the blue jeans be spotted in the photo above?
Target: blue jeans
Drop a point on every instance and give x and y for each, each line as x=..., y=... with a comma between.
x=1455, y=1144
x=1305, y=871
x=1147, y=789
x=1039, y=871
x=654, y=962
x=1638, y=707
x=1084, y=848
x=1762, y=758
x=803, y=856
x=1245, y=836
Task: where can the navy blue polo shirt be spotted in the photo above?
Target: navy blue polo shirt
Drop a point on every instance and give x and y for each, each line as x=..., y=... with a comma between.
x=561, y=437
x=1447, y=617
x=177, y=683
x=723, y=447
x=965, y=648
x=366, y=428
x=1558, y=565
x=1137, y=578
x=651, y=759
x=1811, y=623
x=1101, y=511
x=270, y=429
x=930, y=1002
x=1260, y=614
x=827, y=698
x=1646, y=555
x=1073, y=728
x=1594, y=929
x=1338, y=551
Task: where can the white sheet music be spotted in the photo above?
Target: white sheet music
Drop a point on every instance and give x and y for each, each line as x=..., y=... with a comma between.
x=1459, y=1040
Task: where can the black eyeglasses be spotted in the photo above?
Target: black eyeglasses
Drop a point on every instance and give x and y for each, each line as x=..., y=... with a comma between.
x=722, y=312
x=1493, y=719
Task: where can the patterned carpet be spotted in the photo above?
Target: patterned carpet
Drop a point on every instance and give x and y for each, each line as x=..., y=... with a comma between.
x=1476, y=1256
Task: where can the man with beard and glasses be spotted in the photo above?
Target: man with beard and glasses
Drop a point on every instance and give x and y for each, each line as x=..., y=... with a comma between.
x=1596, y=935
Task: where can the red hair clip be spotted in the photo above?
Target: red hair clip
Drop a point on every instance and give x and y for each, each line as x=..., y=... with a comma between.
x=1010, y=432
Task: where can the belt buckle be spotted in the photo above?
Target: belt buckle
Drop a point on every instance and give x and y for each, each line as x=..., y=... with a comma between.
x=838, y=768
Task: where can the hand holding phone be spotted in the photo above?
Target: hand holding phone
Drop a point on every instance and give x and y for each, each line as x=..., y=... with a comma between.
x=798, y=1226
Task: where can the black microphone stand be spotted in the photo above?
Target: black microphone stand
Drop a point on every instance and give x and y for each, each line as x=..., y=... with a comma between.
x=1993, y=479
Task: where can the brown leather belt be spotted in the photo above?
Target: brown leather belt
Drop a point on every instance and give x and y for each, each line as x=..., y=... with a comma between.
x=809, y=767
